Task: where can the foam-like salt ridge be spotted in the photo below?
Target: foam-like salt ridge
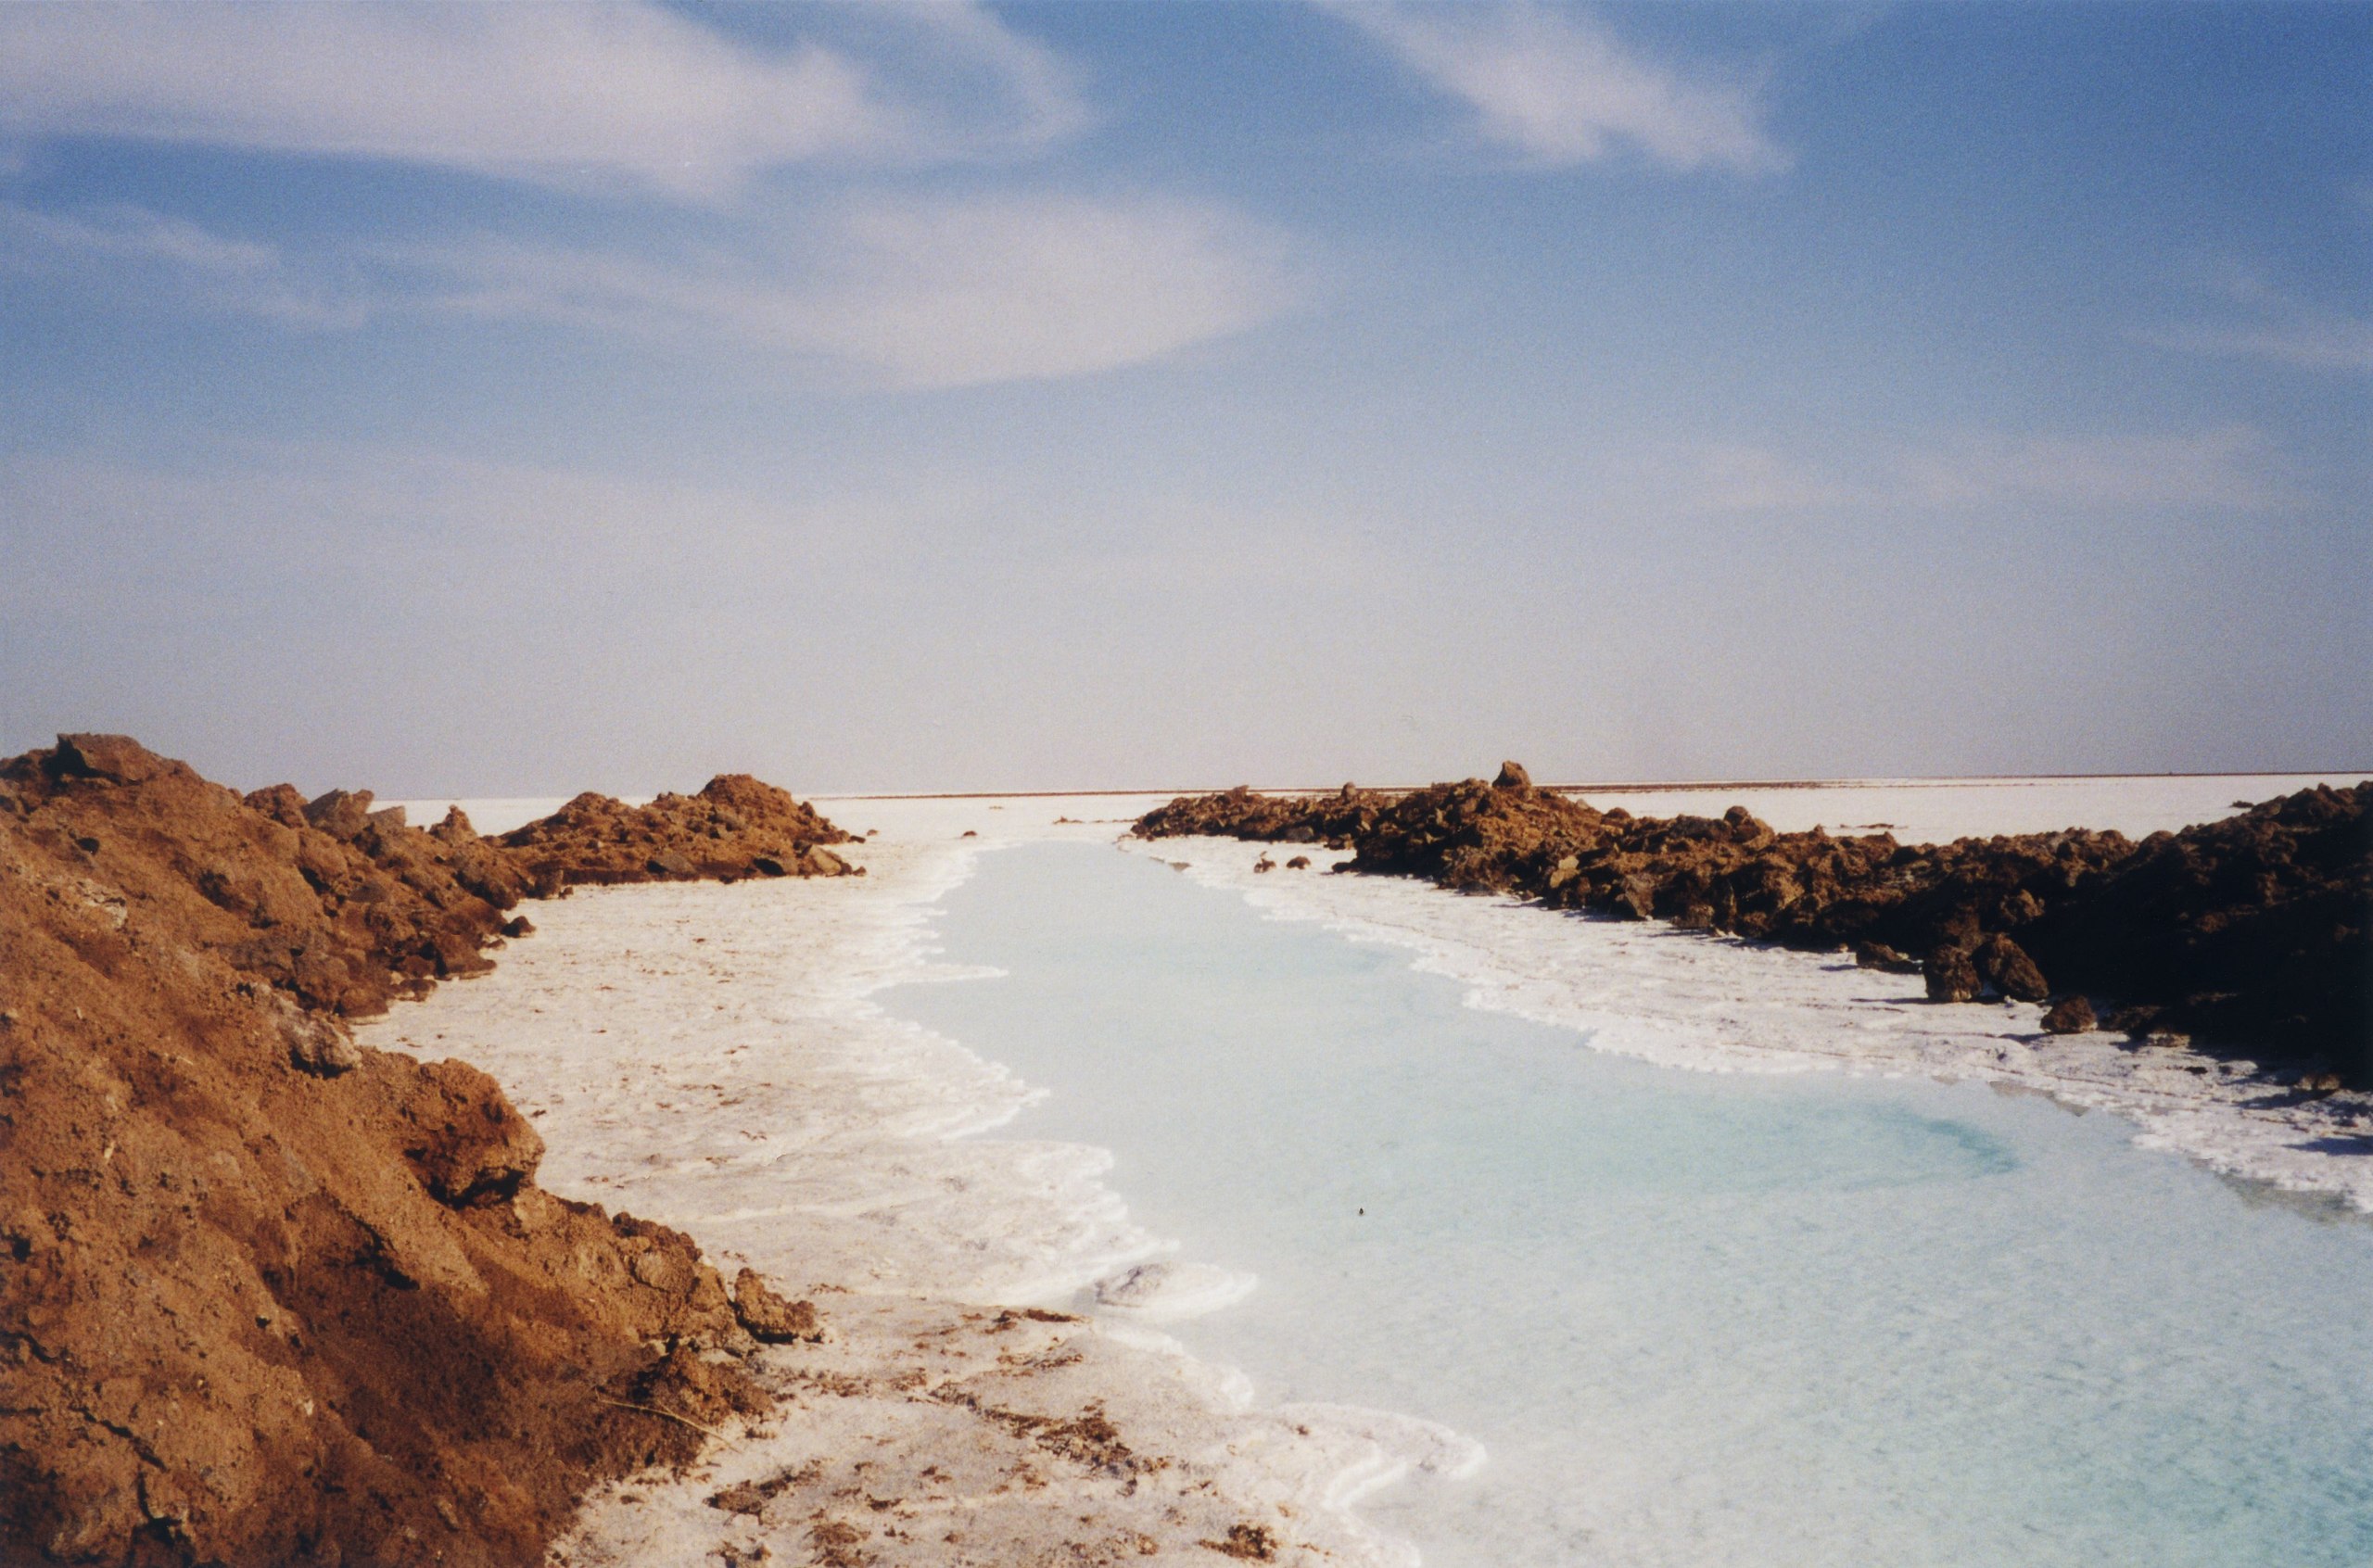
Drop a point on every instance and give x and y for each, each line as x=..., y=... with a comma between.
x=713, y=1059
x=1709, y=1003
x=1163, y=1292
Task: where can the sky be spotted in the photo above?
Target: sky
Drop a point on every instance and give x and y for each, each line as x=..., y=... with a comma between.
x=511, y=399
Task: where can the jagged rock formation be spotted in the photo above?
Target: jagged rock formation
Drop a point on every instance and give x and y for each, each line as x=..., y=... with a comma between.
x=736, y=827
x=270, y=1298
x=2253, y=932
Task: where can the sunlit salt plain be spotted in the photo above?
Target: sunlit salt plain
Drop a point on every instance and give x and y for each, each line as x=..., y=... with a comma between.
x=1907, y=1312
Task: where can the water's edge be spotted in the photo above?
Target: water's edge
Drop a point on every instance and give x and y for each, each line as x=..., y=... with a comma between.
x=1708, y=1003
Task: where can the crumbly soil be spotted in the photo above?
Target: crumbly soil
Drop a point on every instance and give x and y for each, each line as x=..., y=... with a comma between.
x=271, y=1298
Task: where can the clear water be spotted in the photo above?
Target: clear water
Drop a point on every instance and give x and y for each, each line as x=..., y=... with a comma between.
x=1695, y=1319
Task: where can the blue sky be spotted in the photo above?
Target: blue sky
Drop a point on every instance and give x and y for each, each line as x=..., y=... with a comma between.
x=511, y=399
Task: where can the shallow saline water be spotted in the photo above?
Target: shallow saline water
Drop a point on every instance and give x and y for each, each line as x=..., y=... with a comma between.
x=1694, y=1318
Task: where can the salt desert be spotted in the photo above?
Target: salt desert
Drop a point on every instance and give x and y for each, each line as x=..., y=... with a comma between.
x=1616, y=1171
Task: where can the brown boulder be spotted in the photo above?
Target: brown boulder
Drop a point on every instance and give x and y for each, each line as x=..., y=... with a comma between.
x=118, y=759
x=1512, y=777
x=770, y=1317
x=317, y=1042
x=467, y=1143
x=340, y=813
x=281, y=802
x=1749, y=830
x=2070, y=1015
x=1951, y=976
x=2004, y=965
x=1879, y=956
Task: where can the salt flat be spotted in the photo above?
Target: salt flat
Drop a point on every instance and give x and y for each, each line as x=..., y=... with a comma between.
x=720, y=1059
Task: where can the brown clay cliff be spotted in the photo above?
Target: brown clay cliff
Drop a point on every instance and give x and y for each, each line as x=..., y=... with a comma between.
x=270, y=1298
x=2254, y=934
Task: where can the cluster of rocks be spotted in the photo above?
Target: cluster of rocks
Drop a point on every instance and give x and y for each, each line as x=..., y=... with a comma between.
x=2253, y=932
x=736, y=827
x=269, y=1298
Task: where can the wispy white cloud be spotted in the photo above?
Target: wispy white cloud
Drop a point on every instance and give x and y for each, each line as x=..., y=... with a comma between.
x=2229, y=467
x=212, y=269
x=2261, y=321
x=2267, y=323
x=2327, y=343
x=565, y=94
x=917, y=295
x=905, y=294
x=1559, y=88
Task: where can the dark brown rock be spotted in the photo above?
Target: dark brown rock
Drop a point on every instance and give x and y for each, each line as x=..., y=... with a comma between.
x=2070, y=1015
x=2004, y=965
x=1879, y=956
x=1511, y=775
x=2253, y=931
x=1951, y=976
x=118, y=759
x=340, y=813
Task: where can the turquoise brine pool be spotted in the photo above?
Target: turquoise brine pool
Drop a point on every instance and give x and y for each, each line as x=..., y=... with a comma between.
x=1695, y=1319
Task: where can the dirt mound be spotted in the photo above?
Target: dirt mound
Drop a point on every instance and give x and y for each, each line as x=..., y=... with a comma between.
x=2254, y=933
x=268, y=1298
x=736, y=827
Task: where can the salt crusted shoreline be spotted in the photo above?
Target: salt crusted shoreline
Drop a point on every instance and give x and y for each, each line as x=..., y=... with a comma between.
x=711, y=1058
x=1695, y=1000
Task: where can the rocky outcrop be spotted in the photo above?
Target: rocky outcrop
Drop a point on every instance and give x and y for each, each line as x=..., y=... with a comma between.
x=267, y=1298
x=736, y=827
x=2254, y=933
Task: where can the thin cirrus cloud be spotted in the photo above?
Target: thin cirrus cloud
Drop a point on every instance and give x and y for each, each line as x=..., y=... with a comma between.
x=572, y=96
x=918, y=296
x=2227, y=468
x=172, y=258
x=902, y=294
x=2321, y=343
x=2262, y=321
x=1559, y=89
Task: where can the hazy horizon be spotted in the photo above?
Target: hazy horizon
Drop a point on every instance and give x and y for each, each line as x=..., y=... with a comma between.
x=512, y=400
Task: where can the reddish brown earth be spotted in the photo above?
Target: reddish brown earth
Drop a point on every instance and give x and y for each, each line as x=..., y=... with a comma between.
x=734, y=828
x=267, y=1298
x=2252, y=933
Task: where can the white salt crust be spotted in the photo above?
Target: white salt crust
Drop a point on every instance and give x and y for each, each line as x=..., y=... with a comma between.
x=710, y=1057
x=1709, y=1003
